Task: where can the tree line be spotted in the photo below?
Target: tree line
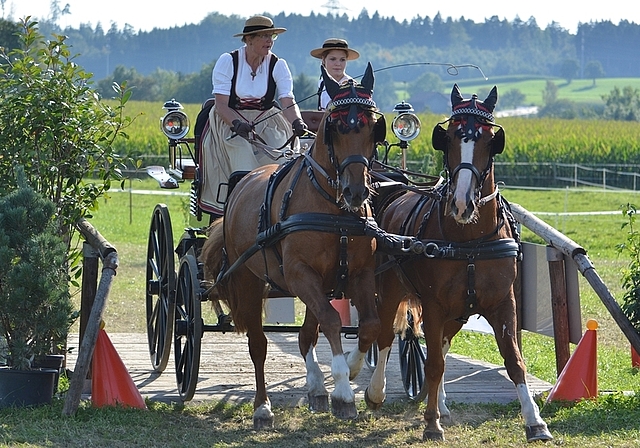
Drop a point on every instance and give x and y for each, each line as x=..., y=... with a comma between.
x=177, y=62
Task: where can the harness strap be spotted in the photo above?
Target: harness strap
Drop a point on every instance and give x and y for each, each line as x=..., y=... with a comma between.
x=343, y=267
x=472, y=299
x=313, y=165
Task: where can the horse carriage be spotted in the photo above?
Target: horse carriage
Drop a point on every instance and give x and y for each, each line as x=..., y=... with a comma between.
x=445, y=261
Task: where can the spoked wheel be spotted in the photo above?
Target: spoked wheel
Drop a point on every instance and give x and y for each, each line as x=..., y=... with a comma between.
x=371, y=358
x=412, y=359
x=160, y=287
x=188, y=330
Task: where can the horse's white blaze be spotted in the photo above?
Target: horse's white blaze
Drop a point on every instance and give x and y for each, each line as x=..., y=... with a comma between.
x=464, y=178
x=340, y=373
x=528, y=407
x=315, y=378
x=377, y=389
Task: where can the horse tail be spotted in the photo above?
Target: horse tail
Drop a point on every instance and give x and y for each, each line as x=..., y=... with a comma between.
x=213, y=259
x=410, y=306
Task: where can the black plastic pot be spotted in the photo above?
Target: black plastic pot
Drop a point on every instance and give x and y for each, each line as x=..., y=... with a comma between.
x=53, y=362
x=21, y=388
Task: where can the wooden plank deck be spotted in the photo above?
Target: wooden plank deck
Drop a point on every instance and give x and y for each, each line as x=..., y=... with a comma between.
x=226, y=372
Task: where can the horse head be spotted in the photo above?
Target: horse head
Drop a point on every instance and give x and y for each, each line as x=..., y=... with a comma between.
x=353, y=127
x=469, y=144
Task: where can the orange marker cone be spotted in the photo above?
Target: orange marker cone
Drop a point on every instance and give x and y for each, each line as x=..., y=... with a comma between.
x=343, y=307
x=111, y=384
x=635, y=358
x=579, y=378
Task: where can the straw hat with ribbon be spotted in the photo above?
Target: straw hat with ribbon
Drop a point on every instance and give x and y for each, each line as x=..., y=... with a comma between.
x=335, y=44
x=257, y=25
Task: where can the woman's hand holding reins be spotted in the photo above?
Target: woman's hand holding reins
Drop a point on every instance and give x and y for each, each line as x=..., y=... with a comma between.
x=241, y=128
x=299, y=127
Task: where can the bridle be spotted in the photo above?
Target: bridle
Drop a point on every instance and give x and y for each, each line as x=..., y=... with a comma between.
x=349, y=111
x=472, y=119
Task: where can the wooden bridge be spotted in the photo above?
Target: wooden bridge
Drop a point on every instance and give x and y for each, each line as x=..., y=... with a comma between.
x=226, y=372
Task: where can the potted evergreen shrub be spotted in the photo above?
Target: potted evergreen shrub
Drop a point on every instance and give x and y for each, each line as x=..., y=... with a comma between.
x=631, y=274
x=36, y=310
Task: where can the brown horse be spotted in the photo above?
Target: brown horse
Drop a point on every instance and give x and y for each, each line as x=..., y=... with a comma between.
x=468, y=266
x=299, y=229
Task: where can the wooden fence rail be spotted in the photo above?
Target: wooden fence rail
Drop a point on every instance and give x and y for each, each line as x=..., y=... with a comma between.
x=109, y=257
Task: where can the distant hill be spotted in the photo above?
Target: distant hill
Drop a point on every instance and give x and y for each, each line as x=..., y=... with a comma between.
x=579, y=90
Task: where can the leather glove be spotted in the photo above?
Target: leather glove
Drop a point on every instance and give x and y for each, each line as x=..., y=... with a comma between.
x=299, y=127
x=242, y=128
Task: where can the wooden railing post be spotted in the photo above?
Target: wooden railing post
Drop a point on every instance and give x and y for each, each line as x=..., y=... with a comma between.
x=559, y=307
x=109, y=258
x=89, y=284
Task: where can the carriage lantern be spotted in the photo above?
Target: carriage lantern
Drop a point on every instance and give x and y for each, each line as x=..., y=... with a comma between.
x=406, y=125
x=175, y=123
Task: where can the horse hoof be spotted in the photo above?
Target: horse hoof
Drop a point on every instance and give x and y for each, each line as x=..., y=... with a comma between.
x=262, y=422
x=371, y=404
x=434, y=435
x=263, y=417
x=343, y=410
x=318, y=403
x=538, y=432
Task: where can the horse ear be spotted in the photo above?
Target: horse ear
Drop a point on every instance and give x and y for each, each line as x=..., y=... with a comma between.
x=368, y=78
x=492, y=99
x=439, y=139
x=456, y=96
x=330, y=84
x=498, y=142
x=380, y=130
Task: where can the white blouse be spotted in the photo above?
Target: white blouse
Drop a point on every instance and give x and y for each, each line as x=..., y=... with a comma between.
x=249, y=84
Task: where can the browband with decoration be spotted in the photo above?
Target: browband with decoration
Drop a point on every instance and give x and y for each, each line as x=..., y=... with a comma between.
x=479, y=111
x=349, y=101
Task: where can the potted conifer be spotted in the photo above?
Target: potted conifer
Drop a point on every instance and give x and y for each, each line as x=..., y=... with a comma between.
x=36, y=311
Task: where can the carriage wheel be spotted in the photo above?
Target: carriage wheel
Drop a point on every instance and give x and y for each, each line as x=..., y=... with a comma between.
x=160, y=287
x=371, y=358
x=412, y=359
x=189, y=327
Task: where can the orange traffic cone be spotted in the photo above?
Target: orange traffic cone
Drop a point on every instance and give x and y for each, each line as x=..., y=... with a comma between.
x=635, y=358
x=343, y=307
x=111, y=384
x=579, y=378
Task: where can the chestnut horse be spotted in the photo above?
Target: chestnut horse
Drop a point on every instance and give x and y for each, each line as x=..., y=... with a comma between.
x=300, y=229
x=468, y=267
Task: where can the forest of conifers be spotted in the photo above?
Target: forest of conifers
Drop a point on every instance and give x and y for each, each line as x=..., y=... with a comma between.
x=423, y=45
x=499, y=47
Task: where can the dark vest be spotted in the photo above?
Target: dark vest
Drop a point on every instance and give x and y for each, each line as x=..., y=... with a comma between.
x=268, y=100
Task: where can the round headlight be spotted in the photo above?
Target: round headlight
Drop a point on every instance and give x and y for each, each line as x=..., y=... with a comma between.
x=175, y=124
x=406, y=126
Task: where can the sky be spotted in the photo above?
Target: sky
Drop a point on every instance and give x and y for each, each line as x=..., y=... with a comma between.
x=145, y=15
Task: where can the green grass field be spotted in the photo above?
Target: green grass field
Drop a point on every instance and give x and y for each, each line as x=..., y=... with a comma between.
x=578, y=90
